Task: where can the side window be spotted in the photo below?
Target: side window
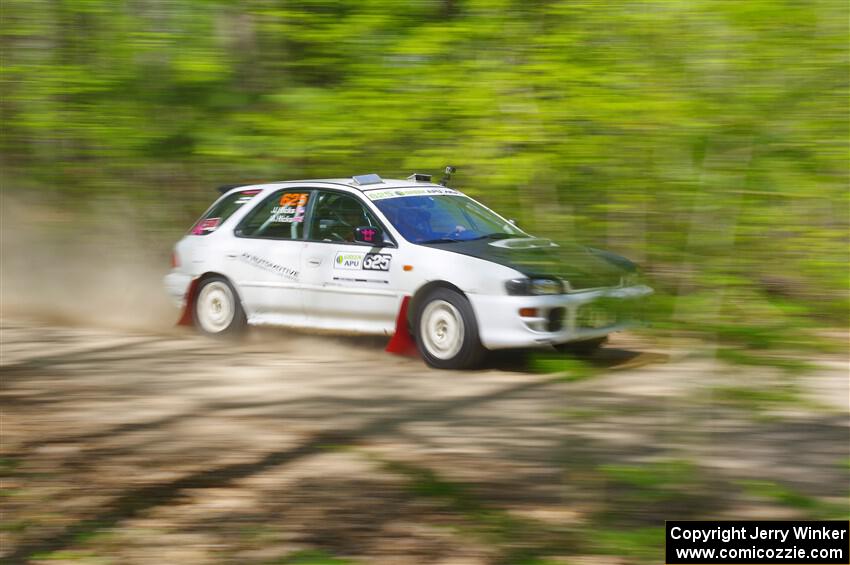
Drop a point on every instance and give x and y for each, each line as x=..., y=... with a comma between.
x=280, y=216
x=222, y=210
x=335, y=216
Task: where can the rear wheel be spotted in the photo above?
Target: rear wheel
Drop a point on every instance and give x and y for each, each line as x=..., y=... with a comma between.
x=446, y=331
x=216, y=309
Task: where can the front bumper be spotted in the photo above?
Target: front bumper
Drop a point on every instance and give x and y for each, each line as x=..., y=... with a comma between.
x=559, y=318
x=177, y=285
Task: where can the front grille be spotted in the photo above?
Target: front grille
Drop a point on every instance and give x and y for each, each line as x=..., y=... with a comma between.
x=608, y=311
x=596, y=315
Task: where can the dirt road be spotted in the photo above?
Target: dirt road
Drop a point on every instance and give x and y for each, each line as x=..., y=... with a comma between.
x=171, y=448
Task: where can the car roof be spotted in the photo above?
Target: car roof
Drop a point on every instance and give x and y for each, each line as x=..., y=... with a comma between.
x=346, y=182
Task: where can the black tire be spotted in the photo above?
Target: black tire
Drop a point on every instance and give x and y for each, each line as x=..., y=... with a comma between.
x=225, y=326
x=584, y=348
x=464, y=352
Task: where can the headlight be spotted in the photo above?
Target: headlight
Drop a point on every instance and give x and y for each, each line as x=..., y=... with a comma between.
x=533, y=287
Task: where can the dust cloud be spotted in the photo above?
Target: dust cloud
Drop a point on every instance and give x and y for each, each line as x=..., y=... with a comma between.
x=102, y=267
x=95, y=265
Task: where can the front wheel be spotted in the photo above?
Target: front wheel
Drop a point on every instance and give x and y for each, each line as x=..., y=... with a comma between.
x=446, y=331
x=216, y=309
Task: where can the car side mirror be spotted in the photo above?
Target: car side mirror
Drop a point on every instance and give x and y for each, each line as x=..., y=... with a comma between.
x=372, y=235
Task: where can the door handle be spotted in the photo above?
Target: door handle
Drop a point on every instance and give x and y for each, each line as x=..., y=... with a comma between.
x=314, y=261
x=231, y=255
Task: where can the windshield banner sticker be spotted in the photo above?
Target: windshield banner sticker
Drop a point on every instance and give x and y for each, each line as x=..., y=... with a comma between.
x=423, y=191
x=292, y=207
x=363, y=261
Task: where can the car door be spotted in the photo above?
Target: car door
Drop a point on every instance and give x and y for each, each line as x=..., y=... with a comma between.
x=348, y=285
x=265, y=257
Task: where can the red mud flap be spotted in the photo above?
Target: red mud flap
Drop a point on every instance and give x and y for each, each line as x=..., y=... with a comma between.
x=402, y=342
x=186, y=317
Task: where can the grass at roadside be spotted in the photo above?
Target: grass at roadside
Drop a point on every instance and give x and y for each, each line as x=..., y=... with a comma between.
x=312, y=557
x=519, y=539
x=573, y=369
x=814, y=508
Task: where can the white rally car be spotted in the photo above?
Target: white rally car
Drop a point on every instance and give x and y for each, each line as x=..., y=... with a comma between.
x=395, y=257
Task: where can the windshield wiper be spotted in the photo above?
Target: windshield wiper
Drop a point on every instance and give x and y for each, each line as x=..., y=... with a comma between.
x=442, y=240
x=495, y=235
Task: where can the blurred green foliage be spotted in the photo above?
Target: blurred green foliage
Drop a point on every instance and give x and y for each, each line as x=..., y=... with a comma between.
x=816, y=509
x=706, y=139
x=312, y=557
x=573, y=369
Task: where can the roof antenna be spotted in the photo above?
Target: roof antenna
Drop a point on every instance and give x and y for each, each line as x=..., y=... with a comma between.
x=447, y=176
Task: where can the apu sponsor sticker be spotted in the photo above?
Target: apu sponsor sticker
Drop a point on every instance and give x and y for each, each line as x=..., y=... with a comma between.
x=348, y=261
x=363, y=261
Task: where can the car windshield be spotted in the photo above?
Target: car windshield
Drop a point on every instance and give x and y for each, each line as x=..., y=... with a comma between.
x=444, y=219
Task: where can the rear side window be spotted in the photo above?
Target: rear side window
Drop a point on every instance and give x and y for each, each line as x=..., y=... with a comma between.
x=280, y=216
x=222, y=210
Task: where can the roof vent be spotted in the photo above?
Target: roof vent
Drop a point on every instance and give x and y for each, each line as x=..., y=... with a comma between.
x=368, y=179
x=419, y=177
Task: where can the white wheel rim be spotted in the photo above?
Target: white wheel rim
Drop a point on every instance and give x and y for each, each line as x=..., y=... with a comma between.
x=441, y=328
x=215, y=307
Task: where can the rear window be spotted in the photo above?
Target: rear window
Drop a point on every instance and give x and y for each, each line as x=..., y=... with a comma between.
x=222, y=210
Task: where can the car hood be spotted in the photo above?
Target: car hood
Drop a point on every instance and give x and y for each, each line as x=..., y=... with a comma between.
x=583, y=267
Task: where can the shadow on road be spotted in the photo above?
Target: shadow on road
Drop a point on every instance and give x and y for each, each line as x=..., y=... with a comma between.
x=363, y=453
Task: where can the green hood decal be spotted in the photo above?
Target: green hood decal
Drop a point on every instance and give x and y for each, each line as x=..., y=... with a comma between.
x=582, y=267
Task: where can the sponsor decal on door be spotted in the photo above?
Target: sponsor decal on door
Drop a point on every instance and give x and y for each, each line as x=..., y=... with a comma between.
x=377, y=261
x=266, y=265
x=351, y=261
x=363, y=261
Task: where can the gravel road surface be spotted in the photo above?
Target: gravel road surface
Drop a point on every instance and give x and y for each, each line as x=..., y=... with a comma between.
x=121, y=447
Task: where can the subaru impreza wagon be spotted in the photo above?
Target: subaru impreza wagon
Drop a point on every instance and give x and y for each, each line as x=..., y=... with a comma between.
x=395, y=257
